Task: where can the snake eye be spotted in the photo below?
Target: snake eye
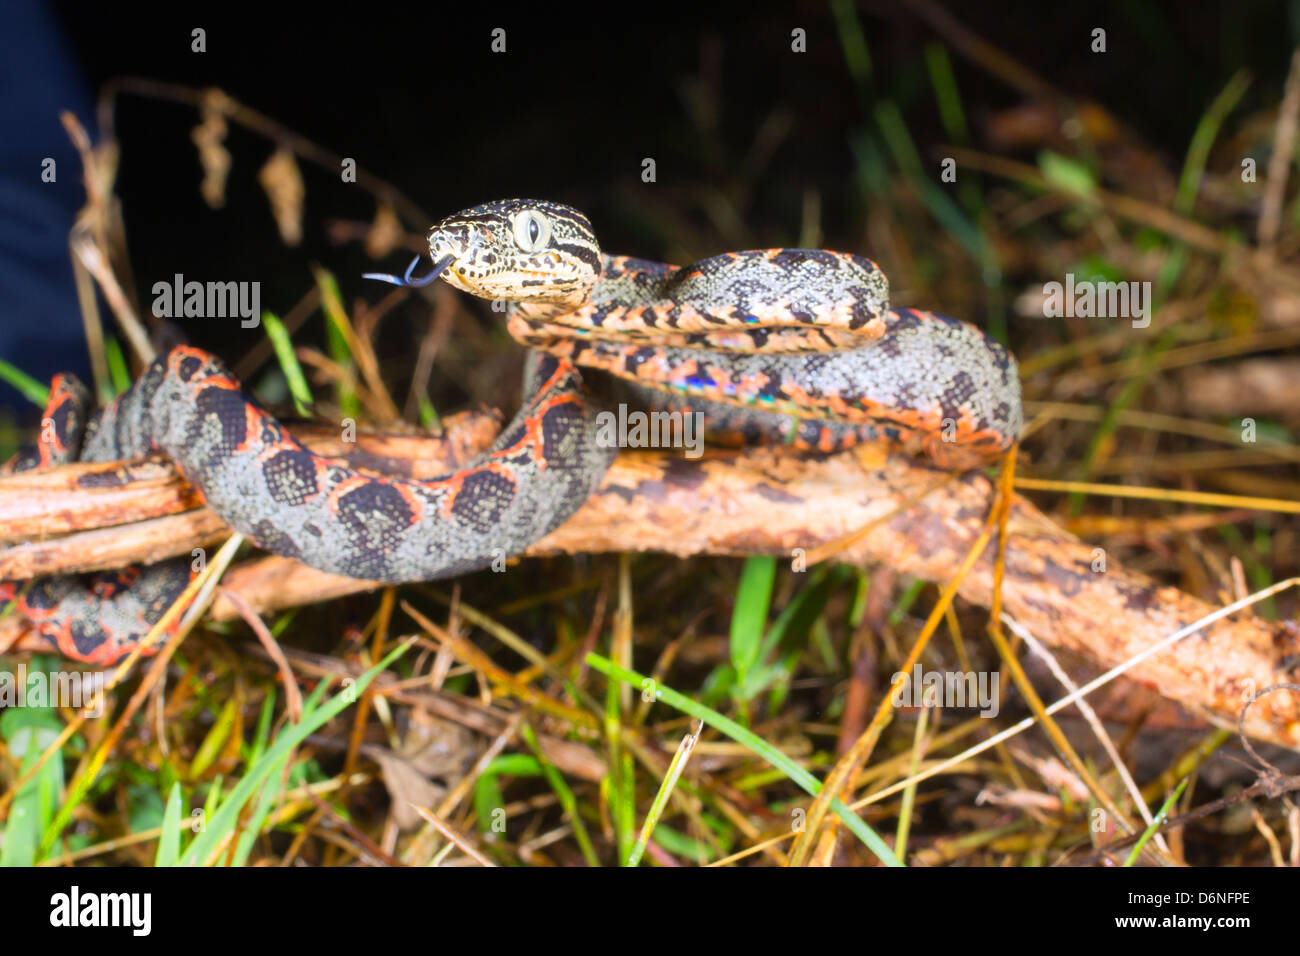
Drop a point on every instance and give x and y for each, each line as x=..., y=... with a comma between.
x=532, y=231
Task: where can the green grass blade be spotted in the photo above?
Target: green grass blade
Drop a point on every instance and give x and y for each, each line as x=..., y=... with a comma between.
x=214, y=742
x=944, y=82
x=27, y=731
x=563, y=793
x=288, y=361
x=28, y=387
x=169, y=843
x=262, y=736
x=854, y=43
x=660, y=801
x=941, y=206
x=718, y=722
x=266, y=801
x=119, y=370
x=790, y=632
x=1159, y=818
x=749, y=619
x=337, y=330
x=1203, y=137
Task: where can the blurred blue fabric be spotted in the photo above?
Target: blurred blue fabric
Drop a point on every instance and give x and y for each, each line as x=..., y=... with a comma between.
x=40, y=322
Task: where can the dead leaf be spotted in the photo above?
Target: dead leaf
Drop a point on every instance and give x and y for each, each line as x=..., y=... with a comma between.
x=407, y=787
x=282, y=180
x=385, y=233
x=438, y=747
x=210, y=139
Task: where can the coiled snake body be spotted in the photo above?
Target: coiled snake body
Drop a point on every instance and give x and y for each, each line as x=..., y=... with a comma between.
x=785, y=344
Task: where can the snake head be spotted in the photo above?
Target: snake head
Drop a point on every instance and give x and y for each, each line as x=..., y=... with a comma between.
x=520, y=250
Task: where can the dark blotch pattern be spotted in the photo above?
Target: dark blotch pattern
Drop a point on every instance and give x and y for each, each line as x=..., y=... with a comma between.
x=268, y=536
x=482, y=499
x=374, y=515
x=557, y=424
x=66, y=419
x=291, y=477
x=219, y=424
x=188, y=367
x=86, y=635
x=637, y=358
x=43, y=597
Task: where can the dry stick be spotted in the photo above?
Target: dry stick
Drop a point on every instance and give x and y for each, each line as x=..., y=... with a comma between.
x=431, y=343
x=363, y=841
x=882, y=769
x=1197, y=355
x=1181, y=315
x=360, y=713
x=1154, y=421
x=90, y=220
x=90, y=256
x=101, y=217
x=863, y=653
x=91, y=251
x=1171, y=496
x=91, y=322
x=383, y=617
x=333, y=371
x=90, y=241
x=293, y=697
x=1279, y=164
x=844, y=777
x=1094, y=722
x=454, y=836
x=984, y=53
x=1139, y=210
x=360, y=717
x=360, y=347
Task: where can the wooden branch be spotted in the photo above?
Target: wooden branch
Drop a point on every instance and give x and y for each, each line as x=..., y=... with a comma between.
x=776, y=501
x=105, y=494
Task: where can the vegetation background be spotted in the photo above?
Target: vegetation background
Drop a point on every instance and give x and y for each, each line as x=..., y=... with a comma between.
x=755, y=144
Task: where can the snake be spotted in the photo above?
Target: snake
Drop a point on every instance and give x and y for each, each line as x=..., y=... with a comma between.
x=788, y=345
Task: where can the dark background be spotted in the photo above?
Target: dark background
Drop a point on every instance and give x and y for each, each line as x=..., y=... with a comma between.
x=414, y=93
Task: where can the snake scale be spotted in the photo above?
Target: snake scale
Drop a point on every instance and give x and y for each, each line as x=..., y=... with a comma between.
x=790, y=345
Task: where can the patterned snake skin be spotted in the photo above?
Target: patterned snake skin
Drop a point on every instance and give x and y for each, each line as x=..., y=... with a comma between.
x=783, y=344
